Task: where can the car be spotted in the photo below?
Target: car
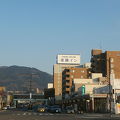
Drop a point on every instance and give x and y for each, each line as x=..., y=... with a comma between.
x=55, y=109
x=41, y=108
x=5, y=108
x=69, y=109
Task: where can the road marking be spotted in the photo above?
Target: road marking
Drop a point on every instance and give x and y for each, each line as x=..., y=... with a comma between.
x=29, y=113
x=35, y=113
x=24, y=113
x=40, y=114
x=50, y=114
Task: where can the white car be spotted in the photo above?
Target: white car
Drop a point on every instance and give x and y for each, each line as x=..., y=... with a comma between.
x=4, y=108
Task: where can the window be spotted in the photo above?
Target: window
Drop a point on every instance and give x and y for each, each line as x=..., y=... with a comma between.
x=118, y=54
x=82, y=71
x=72, y=76
x=111, y=60
x=112, y=71
x=67, y=75
x=68, y=70
x=67, y=86
x=112, y=66
x=67, y=81
x=81, y=76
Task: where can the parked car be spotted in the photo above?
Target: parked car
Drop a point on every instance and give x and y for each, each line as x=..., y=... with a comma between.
x=69, y=109
x=5, y=108
x=41, y=109
x=55, y=109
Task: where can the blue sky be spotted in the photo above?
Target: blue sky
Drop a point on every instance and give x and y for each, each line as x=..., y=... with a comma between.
x=33, y=32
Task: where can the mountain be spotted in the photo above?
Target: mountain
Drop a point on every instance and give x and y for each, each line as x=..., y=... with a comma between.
x=20, y=78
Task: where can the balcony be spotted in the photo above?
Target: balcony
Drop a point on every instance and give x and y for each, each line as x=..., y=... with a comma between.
x=67, y=83
x=67, y=78
x=67, y=73
x=67, y=89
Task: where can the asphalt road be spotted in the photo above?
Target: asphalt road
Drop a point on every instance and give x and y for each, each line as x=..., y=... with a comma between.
x=29, y=115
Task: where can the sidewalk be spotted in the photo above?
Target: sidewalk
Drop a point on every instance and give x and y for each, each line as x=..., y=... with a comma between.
x=97, y=115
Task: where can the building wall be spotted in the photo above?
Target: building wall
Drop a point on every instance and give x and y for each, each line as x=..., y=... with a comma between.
x=113, y=62
x=89, y=89
x=57, y=75
x=2, y=89
x=69, y=74
x=79, y=82
x=98, y=62
x=106, y=63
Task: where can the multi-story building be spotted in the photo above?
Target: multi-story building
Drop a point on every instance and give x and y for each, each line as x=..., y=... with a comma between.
x=3, y=97
x=106, y=63
x=63, y=61
x=69, y=74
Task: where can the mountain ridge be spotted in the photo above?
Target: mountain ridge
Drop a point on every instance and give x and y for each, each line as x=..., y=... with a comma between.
x=17, y=78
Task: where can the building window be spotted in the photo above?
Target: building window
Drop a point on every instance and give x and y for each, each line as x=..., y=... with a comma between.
x=82, y=71
x=68, y=70
x=118, y=54
x=73, y=71
x=112, y=71
x=112, y=66
x=67, y=75
x=67, y=81
x=67, y=86
x=111, y=60
x=72, y=76
x=81, y=76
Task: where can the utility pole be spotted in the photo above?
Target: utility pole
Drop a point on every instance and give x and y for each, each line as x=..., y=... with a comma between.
x=30, y=90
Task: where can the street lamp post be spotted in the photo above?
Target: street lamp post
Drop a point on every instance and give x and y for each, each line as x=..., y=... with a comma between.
x=30, y=91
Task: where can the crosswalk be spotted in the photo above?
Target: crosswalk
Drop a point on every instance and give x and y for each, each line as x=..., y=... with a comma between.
x=34, y=114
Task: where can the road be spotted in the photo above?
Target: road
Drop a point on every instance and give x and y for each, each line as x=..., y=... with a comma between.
x=30, y=115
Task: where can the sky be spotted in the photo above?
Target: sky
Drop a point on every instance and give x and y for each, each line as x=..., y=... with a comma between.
x=33, y=32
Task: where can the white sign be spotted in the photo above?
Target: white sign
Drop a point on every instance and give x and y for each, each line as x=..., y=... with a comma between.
x=116, y=84
x=50, y=85
x=68, y=59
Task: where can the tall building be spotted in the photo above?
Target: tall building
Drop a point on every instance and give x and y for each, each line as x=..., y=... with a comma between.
x=69, y=74
x=63, y=61
x=106, y=63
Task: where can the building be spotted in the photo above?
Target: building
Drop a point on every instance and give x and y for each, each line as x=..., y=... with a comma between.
x=87, y=65
x=69, y=74
x=82, y=95
x=3, y=97
x=105, y=63
x=2, y=89
x=63, y=61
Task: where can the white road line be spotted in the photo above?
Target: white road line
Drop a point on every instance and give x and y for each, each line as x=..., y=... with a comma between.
x=40, y=114
x=34, y=113
x=50, y=114
x=29, y=114
x=24, y=113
